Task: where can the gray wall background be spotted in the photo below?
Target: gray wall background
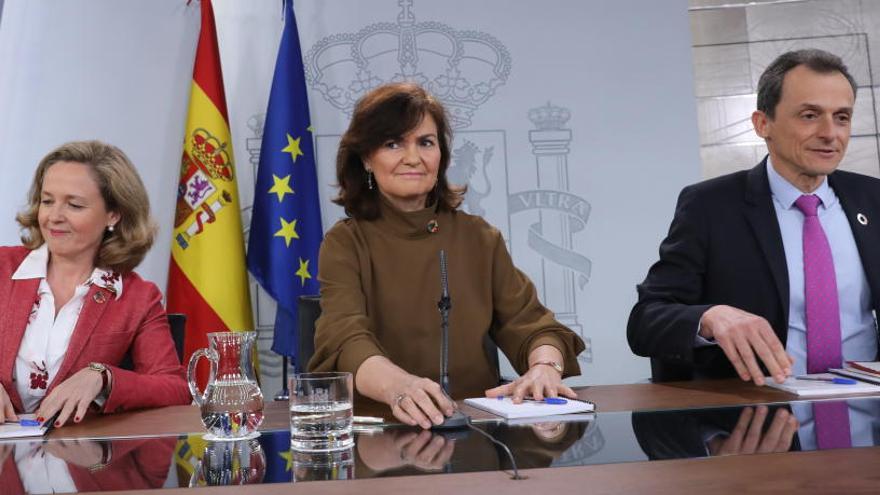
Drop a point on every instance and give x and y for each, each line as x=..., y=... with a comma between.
x=626, y=74
x=733, y=42
x=619, y=71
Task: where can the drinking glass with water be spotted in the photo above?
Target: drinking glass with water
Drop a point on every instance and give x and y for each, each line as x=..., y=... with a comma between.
x=321, y=411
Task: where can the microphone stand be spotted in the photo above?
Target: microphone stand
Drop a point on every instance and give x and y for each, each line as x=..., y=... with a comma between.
x=457, y=420
x=284, y=393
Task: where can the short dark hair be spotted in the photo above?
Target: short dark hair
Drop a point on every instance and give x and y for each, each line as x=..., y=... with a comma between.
x=389, y=112
x=770, y=83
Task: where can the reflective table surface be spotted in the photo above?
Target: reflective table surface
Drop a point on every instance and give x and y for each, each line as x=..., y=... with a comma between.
x=80, y=464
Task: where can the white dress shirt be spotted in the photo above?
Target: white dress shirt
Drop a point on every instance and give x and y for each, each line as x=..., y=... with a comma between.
x=41, y=472
x=858, y=330
x=47, y=335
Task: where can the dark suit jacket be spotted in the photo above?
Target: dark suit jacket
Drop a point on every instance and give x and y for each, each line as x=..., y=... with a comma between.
x=725, y=247
x=107, y=329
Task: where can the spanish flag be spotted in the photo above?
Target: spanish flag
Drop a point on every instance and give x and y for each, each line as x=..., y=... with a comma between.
x=208, y=280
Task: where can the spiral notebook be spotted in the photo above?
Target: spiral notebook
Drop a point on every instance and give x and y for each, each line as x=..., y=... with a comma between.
x=808, y=388
x=529, y=409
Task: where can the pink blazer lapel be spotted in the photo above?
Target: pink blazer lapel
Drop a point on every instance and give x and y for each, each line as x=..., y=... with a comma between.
x=96, y=301
x=18, y=308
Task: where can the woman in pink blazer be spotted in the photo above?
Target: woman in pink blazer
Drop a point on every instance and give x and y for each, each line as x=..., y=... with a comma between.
x=72, y=307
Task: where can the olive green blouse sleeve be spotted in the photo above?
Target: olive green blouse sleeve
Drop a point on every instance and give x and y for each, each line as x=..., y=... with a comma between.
x=343, y=337
x=522, y=323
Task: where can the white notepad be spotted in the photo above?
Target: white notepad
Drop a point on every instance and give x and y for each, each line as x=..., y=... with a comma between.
x=15, y=430
x=856, y=374
x=806, y=388
x=528, y=409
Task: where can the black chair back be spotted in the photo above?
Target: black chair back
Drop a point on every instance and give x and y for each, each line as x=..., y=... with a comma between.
x=309, y=310
x=177, y=321
x=491, y=351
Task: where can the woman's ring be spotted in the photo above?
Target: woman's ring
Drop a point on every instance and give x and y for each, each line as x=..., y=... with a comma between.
x=399, y=398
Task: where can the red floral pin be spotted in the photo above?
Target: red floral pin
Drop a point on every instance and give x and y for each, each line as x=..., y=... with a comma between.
x=39, y=377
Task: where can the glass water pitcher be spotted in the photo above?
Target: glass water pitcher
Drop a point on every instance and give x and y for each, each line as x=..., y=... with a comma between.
x=232, y=403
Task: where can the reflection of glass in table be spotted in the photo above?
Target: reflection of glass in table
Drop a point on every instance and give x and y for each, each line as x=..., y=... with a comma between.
x=610, y=438
x=322, y=466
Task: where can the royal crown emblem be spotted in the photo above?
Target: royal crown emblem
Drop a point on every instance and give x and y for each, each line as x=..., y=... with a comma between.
x=462, y=68
x=549, y=117
x=211, y=155
x=205, y=169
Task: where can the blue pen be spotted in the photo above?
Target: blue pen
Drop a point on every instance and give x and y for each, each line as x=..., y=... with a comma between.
x=558, y=401
x=835, y=380
x=25, y=422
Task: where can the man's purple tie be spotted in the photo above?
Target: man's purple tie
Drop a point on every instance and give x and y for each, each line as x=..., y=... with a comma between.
x=823, y=324
x=820, y=292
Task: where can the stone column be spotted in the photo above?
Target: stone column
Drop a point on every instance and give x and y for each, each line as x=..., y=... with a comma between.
x=550, y=145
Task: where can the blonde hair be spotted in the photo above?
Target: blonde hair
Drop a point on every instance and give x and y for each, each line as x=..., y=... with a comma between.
x=123, y=193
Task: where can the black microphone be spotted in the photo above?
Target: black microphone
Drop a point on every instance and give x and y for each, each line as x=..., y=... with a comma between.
x=457, y=420
x=444, y=305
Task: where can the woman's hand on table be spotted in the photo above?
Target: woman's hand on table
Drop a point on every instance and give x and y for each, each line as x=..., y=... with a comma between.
x=72, y=397
x=419, y=401
x=414, y=400
x=7, y=412
x=539, y=382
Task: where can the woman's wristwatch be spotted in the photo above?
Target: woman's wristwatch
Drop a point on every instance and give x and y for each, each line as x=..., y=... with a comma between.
x=105, y=378
x=553, y=364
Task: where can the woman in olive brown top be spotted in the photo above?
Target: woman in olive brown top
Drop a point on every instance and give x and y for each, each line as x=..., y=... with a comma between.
x=380, y=276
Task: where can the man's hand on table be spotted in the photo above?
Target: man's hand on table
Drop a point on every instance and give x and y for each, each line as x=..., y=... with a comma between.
x=746, y=340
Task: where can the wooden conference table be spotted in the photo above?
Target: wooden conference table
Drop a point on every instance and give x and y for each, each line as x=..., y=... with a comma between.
x=852, y=470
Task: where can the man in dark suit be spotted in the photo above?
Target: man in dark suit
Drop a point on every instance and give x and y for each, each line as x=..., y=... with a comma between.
x=749, y=275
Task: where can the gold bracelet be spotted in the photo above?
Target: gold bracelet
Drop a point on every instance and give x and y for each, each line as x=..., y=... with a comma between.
x=553, y=364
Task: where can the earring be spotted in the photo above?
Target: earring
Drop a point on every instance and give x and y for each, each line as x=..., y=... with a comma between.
x=110, y=228
x=370, y=179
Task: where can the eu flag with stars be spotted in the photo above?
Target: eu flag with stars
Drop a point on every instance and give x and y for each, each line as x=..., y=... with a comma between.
x=286, y=228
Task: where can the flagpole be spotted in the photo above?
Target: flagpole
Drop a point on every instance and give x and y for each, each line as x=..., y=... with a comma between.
x=284, y=393
x=286, y=231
